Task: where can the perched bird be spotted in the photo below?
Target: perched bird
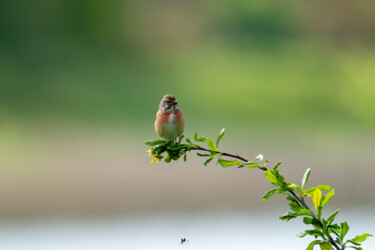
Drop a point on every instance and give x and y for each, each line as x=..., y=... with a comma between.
x=169, y=122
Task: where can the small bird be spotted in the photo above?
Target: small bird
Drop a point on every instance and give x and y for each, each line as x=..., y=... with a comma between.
x=169, y=122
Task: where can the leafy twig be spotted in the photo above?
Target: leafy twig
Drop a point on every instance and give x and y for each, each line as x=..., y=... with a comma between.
x=322, y=228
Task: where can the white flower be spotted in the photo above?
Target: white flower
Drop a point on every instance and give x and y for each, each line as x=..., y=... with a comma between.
x=259, y=158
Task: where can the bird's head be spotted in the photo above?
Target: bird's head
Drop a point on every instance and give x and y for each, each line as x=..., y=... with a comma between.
x=168, y=103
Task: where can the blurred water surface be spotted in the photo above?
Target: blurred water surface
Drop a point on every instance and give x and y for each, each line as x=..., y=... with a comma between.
x=204, y=231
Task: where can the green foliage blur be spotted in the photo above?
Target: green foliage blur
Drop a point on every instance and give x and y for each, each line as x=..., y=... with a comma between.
x=300, y=63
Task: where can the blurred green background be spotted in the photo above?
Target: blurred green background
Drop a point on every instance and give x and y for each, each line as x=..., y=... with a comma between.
x=80, y=83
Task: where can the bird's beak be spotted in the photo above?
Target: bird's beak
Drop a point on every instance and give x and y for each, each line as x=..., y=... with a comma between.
x=174, y=102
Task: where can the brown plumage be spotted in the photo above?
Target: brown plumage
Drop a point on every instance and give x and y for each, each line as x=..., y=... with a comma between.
x=169, y=122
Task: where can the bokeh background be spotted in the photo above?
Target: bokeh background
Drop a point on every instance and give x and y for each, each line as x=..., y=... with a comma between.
x=80, y=83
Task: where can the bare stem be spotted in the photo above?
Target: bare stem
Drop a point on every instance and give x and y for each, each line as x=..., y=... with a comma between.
x=221, y=153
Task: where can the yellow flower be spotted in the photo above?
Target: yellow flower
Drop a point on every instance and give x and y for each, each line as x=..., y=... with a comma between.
x=149, y=152
x=155, y=159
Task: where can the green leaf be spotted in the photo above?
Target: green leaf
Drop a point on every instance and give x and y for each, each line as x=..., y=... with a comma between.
x=332, y=217
x=290, y=185
x=325, y=246
x=311, y=221
x=306, y=176
x=188, y=140
x=361, y=238
x=208, y=160
x=336, y=230
x=184, y=157
x=279, y=176
x=338, y=239
x=345, y=229
x=299, y=189
x=305, y=212
x=168, y=158
x=307, y=220
x=295, y=207
x=225, y=163
x=317, y=197
x=277, y=166
x=291, y=198
x=327, y=197
x=354, y=243
x=309, y=192
x=288, y=216
x=253, y=165
x=211, y=145
x=358, y=248
x=315, y=233
x=319, y=212
x=155, y=142
x=282, y=179
x=269, y=194
x=325, y=229
x=221, y=134
x=301, y=234
x=281, y=191
x=202, y=138
x=199, y=154
x=312, y=244
x=271, y=177
x=180, y=139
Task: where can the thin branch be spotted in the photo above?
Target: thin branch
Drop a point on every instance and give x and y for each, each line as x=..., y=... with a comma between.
x=220, y=153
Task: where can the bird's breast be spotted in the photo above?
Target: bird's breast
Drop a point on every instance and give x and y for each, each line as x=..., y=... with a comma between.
x=169, y=125
x=178, y=116
x=171, y=118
